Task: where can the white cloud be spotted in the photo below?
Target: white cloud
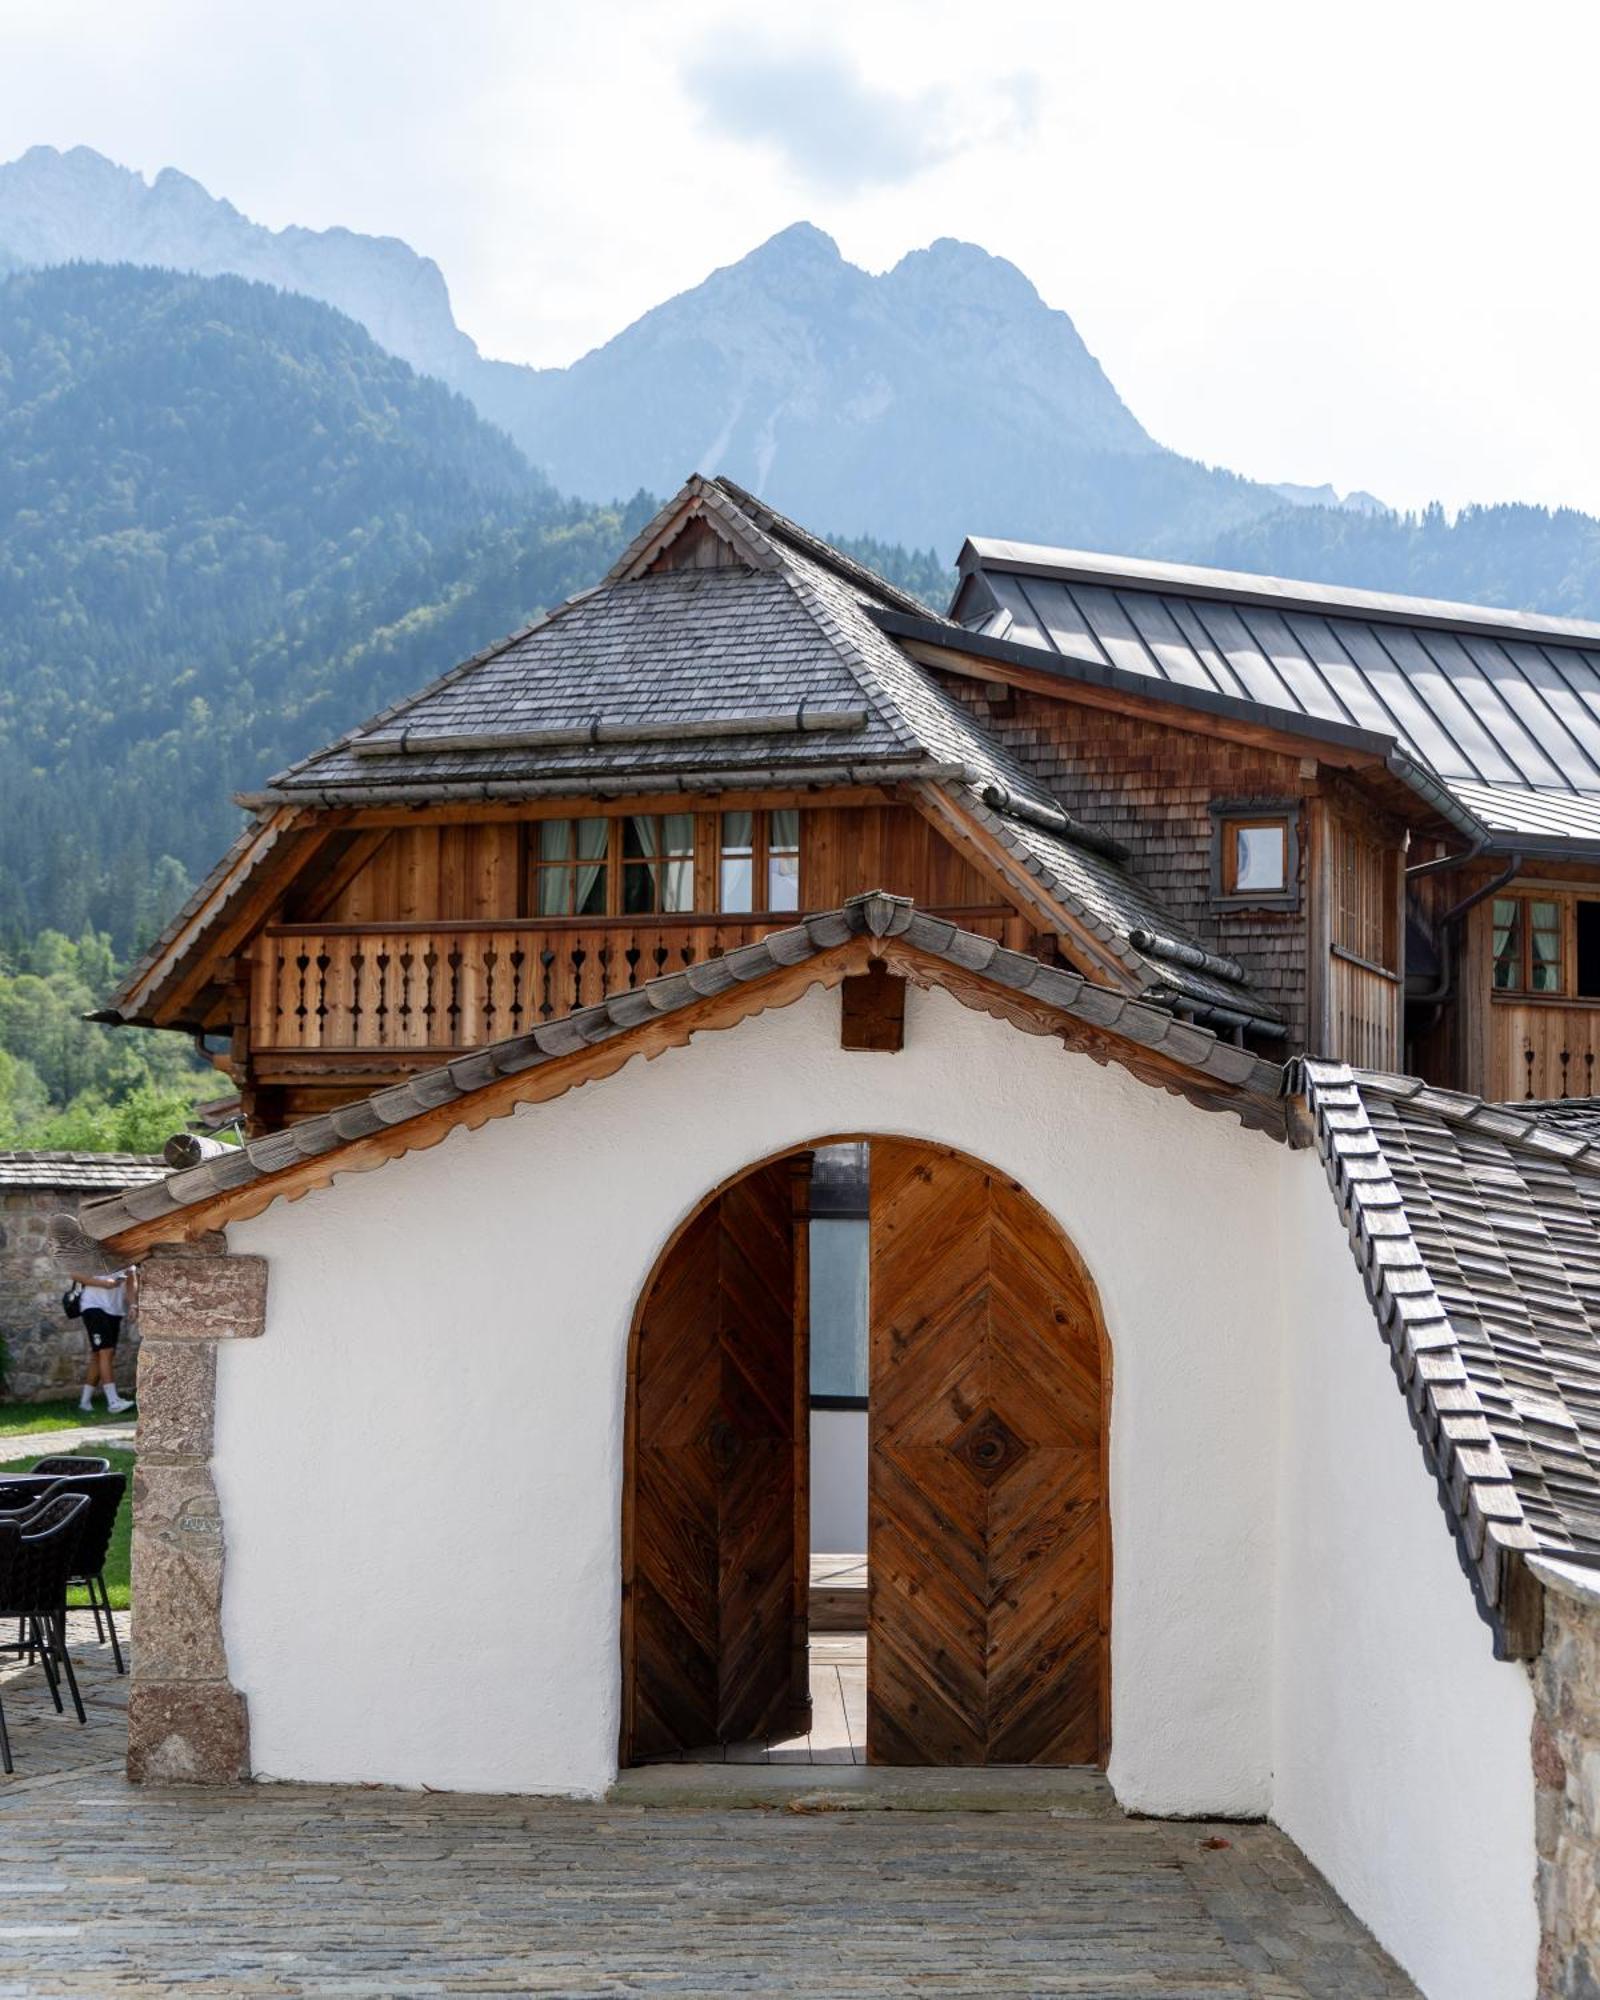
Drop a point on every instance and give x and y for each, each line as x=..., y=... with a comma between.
x=836, y=131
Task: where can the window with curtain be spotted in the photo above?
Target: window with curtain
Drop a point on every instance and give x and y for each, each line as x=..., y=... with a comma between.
x=783, y=859
x=760, y=856
x=1526, y=945
x=657, y=863
x=571, y=868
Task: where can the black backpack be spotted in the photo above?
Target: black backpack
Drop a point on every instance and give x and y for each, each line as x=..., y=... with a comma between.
x=72, y=1302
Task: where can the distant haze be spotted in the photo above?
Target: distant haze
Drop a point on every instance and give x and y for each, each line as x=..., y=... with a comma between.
x=1342, y=246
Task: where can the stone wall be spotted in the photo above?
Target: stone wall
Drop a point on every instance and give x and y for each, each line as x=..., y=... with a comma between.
x=1566, y=1766
x=47, y=1349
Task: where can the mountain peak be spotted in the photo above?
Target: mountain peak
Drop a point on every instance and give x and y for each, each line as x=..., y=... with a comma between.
x=965, y=271
x=802, y=245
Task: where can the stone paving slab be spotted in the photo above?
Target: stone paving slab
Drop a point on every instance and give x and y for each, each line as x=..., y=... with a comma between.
x=127, y=1893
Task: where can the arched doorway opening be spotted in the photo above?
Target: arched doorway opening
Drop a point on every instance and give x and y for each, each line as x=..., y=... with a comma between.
x=988, y=1539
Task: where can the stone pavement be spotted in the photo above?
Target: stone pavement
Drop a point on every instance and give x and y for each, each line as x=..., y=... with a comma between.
x=110, y=1890
x=120, y=1433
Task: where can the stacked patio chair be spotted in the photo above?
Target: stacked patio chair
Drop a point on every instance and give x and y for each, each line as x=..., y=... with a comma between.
x=21, y=1495
x=103, y=1491
x=67, y=1467
x=38, y=1550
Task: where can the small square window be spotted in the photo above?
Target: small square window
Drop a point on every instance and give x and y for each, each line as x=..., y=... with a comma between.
x=1260, y=858
x=1254, y=858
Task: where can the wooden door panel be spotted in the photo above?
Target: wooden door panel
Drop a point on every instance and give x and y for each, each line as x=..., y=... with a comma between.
x=714, y=1529
x=987, y=1565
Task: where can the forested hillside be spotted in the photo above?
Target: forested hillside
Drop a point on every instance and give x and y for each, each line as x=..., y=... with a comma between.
x=231, y=526
x=203, y=484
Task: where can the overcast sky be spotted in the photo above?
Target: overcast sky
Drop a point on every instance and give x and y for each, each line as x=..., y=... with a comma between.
x=1352, y=242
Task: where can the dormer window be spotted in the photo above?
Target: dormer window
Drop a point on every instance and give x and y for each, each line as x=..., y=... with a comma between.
x=1255, y=859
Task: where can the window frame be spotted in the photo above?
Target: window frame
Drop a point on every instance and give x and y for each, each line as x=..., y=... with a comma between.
x=1230, y=815
x=762, y=851
x=1565, y=904
x=537, y=863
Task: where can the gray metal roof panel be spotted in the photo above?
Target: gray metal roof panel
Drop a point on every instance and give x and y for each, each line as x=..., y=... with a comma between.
x=1481, y=697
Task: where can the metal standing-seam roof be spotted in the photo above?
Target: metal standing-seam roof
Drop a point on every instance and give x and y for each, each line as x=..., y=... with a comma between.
x=1477, y=1227
x=1503, y=706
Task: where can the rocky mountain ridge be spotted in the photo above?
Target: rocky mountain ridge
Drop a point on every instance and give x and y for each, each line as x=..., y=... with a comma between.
x=939, y=398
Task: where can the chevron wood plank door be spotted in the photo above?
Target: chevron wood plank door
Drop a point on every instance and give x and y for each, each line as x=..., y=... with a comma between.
x=715, y=1522
x=988, y=1539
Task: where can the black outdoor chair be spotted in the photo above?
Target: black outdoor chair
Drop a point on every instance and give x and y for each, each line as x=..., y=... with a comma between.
x=20, y=1490
x=36, y=1559
x=103, y=1491
x=66, y=1468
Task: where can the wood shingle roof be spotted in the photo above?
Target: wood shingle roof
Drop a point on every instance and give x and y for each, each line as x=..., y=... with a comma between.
x=1477, y=1229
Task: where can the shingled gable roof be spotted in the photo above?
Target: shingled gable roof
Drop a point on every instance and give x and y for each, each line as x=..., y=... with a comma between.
x=1477, y=1230
x=1502, y=706
x=1194, y=1062
x=775, y=671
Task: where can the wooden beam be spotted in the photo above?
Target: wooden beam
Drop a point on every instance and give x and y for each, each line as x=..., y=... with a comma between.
x=443, y=812
x=872, y=1010
x=341, y=871
x=230, y=928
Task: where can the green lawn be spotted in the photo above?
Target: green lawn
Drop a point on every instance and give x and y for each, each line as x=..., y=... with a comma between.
x=23, y=1419
x=117, y=1558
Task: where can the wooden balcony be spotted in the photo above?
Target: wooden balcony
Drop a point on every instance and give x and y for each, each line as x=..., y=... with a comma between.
x=431, y=989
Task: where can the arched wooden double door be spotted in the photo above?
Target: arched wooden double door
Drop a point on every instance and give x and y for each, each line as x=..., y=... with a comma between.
x=988, y=1536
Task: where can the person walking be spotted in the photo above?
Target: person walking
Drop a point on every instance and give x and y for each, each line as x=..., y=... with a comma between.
x=103, y=1307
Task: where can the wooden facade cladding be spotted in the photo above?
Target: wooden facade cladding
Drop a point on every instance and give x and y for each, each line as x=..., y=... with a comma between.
x=411, y=942
x=1515, y=1045
x=435, y=871
x=1357, y=879
x=1152, y=788
x=1331, y=962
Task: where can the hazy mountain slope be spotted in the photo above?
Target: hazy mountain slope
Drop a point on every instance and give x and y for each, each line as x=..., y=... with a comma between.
x=939, y=398
x=79, y=207
x=906, y=405
x=196, y=474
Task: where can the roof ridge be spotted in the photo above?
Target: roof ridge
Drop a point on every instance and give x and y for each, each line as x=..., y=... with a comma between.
x=1197, y=579
x=866, y=675
x=846, y=567
x=1226, y=1077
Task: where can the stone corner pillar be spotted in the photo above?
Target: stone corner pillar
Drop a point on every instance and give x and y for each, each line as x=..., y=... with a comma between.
x=1566, y=1772
x=187, y=1723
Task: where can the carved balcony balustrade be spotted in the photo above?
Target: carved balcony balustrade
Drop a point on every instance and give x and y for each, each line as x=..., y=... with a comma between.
x=443, y=986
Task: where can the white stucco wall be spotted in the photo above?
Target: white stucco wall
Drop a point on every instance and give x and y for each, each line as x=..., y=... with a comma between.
x=423, y=1546
x=839, y=1481
x=1402, y=1756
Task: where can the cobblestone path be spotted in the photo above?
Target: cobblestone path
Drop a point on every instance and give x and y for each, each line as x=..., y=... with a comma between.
x=107, y=1890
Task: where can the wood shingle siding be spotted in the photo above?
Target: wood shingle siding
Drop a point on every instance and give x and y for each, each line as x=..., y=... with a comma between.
x=1152, y=789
